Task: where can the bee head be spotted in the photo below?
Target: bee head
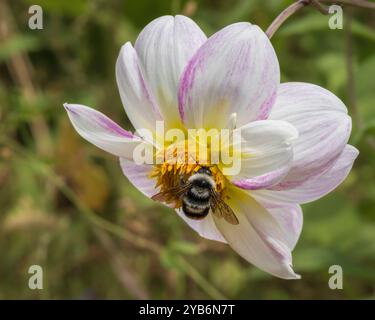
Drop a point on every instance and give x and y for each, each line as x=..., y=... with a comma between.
x=205, y=170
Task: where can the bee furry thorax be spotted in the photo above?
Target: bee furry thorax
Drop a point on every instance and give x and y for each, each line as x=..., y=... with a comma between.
x=198, y=191
x=172, y=176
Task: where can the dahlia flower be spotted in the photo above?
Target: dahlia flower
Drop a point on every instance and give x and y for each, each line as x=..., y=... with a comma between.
x=293, y=135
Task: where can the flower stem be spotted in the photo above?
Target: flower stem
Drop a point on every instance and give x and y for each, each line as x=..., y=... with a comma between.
x=321, y=8
x=283, y=16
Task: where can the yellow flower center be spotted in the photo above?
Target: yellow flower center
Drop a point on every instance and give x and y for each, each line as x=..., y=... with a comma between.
x=181, y=160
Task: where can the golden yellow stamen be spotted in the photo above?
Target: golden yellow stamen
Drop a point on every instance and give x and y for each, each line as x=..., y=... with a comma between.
x=177, y=167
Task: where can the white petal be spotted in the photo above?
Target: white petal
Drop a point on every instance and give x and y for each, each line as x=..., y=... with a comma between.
x=290, y=219
x=101, y=131
x=258, y=237
x=323, y=126
x=313, y=189
x=266, y=151
x=262, y=181
x=136, y=96
x=206, y=227
x=235, y=71
x=164, y=47
x=138, y=176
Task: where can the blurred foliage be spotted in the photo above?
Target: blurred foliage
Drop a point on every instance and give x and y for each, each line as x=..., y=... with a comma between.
x=65, y=205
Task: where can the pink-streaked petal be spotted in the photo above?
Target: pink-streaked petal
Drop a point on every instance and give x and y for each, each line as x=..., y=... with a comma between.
x=264, y=181
x=313, y=189
x=101, y=131
x=323, y=125
x=290, y=219
x=138, y=175
x=266, y=153
x=258, y=237
x=235, y=71
x=164, y=47
x=137, y=98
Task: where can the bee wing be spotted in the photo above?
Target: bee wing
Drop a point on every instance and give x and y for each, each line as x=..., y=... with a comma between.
x=161, y=196
x=214, y=204
x=221, y=209
x=176, y=192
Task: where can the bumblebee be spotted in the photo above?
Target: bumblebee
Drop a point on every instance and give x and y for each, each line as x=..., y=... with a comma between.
x=198, y=196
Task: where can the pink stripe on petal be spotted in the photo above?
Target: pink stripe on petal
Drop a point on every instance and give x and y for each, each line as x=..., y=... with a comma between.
x=290, y=219
x=286, y=184
x=164, y=47
x=266, y=107
x=138, y=101
x=235, y=71
x=101, y=131
x=323, y=125
x=264, y=181
x=312, y=189
x=101, y=119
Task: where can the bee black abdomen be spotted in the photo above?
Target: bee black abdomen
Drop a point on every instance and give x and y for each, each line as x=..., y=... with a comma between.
x=196, y=202
x=195, y=212
x=196, y=205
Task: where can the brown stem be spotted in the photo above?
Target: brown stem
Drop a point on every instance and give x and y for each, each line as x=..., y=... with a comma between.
x=284, y=15
x=322, y=9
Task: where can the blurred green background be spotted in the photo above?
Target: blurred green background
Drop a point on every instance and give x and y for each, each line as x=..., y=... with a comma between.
x=66, y=206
